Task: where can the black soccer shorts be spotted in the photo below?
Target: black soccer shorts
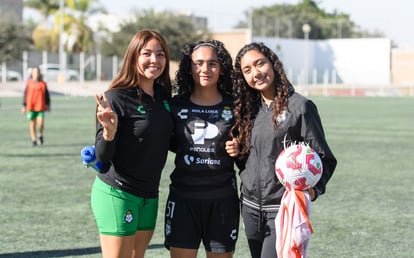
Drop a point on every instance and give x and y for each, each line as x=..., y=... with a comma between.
x=215, y=222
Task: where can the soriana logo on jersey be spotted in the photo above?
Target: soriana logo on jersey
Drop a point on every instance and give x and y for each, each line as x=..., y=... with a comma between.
x=189, y=159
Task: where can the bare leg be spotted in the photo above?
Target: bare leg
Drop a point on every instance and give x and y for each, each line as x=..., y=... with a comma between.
x=221, y=255
x=115, y=246
x=128, y=246
x=32, y=128
x=142, y=240
x=183, y=253
x=40, y=125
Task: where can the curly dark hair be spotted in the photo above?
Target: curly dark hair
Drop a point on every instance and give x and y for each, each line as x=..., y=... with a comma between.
x=184, y=83
x=247, y=100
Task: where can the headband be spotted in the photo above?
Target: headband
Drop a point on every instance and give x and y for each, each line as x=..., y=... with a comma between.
x=205, y=44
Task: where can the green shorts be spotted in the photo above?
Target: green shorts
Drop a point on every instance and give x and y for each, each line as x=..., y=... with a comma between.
x=31, y=115
x=119, y=213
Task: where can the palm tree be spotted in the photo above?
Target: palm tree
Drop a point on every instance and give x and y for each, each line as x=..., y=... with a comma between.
x=80, y=36
x=44, y=7
x=44, y=36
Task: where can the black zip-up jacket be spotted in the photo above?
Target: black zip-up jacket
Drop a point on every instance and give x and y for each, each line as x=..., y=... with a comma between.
x=139, y=151
x=260, y=188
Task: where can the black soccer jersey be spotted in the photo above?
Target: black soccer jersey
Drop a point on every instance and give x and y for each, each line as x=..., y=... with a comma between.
x=203, y=167
x=139, y=151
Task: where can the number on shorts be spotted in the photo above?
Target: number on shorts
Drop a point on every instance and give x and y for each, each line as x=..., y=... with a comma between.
x=170, y=210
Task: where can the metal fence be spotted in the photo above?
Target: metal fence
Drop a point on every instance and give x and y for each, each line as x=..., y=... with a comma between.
x=81, y=67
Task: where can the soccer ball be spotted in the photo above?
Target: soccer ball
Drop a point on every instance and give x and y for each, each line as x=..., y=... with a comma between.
x=298, y=167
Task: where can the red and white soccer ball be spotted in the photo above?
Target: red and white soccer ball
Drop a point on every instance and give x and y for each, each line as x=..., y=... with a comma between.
x=298, y=167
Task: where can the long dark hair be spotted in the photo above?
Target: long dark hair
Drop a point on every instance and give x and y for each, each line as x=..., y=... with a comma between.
x=184, y=83
x=248, y=100
x=39, y=74
x=129, y=76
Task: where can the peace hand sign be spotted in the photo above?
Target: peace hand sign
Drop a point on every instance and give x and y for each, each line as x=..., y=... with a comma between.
x=107, y=118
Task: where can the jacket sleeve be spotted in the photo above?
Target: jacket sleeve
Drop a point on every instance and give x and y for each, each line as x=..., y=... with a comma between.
x=104, y=150
x=313, y=133
x=47, y=96
x=24, y=96
x=241, y=162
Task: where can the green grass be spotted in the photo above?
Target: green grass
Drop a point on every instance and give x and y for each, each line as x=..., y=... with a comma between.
x=367, y=210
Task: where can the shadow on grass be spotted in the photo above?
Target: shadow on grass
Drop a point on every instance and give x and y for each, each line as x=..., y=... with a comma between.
x=63, y=253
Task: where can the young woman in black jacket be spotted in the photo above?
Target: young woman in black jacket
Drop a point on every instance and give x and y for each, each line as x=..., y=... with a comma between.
x=269, y=113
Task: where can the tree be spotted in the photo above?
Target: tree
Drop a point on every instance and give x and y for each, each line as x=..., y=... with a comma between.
x=77, y=36
x=177, y=30
x=44, y=36
x=44, y=7
x=284, y=20
x=80, y=36
x=14, y=39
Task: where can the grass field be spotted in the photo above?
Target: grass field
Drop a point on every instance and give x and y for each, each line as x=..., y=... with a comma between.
x=368, y=210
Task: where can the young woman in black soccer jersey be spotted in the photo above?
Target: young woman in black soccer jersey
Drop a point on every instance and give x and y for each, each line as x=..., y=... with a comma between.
x=132, y=139
x=202, y=205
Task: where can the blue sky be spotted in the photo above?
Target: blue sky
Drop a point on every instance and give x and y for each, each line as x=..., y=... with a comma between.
x=393, y=18
x=390, y=17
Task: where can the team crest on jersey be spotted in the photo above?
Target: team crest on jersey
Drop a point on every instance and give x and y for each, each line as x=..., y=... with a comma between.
x=281, y=117
x=128, y=216
x=226, y=114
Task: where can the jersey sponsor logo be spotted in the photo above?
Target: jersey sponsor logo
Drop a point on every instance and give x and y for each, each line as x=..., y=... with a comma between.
x=204, y=111
x=233, y=234
x=204, y=130
x=208, y=161
x=183, y=114
x=188, y=159
x=213, y=113
x=201, y=149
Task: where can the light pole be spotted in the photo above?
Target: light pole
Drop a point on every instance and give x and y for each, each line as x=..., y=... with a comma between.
x=306, y=28
x=61, y=65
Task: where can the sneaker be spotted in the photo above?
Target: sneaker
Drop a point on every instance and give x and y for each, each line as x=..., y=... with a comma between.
x=41, y=140
x=34, y=143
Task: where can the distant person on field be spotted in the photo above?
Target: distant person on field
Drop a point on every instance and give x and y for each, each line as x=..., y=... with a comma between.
x=36, y=101
x=133, y=136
